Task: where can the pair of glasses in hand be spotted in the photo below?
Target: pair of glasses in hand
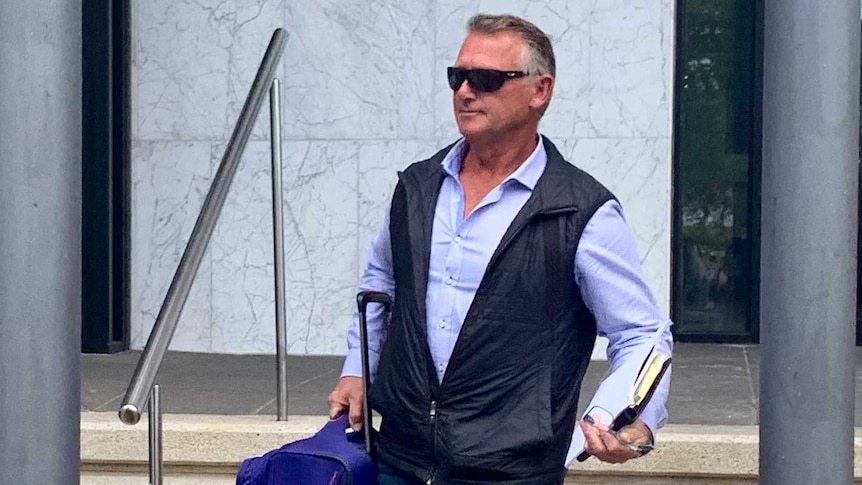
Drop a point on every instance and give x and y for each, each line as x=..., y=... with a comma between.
x=603, y=420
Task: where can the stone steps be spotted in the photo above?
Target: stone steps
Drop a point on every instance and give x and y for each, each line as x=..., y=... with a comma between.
x=201, y=449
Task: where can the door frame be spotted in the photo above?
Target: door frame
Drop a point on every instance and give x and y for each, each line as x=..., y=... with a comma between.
x=754, y=193
x=106, y=184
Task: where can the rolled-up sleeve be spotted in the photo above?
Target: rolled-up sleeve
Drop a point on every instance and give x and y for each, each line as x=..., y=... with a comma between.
x=609, y=274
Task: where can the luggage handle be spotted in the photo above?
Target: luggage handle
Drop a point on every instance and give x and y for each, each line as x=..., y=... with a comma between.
x=362, y=301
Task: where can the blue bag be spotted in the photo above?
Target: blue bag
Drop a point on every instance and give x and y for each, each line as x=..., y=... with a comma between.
x=330, y=457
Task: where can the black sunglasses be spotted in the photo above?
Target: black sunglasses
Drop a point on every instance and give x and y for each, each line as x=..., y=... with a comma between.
x=481, y=80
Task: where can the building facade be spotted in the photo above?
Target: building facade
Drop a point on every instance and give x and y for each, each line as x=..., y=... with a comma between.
x=656, y=99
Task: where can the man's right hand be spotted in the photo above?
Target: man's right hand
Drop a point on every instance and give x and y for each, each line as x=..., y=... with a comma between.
x=347, y=396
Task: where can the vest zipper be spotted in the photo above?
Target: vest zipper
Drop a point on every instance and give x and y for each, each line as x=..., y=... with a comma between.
x=433, y=415
x=494, y=257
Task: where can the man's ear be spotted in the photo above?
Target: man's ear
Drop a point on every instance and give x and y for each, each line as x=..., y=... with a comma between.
x=543, y=87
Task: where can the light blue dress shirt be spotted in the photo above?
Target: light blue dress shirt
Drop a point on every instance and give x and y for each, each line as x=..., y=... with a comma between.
x=607, y=270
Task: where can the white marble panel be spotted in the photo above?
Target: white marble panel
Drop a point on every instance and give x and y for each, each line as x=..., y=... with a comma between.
x=251, y=26
x=169, y=183
x=358, y=69
x=566, y=23
x=320, y=207
x=243, y=302
x=637, y=171
x=379, y=163
x=320, y=243
x=631, y=66
x=364, y=94
x=195, y=62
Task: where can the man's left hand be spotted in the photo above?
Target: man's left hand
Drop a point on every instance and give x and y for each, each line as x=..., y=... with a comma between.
x=617, y=447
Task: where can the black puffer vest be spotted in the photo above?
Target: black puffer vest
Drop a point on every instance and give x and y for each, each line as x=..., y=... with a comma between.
x=506, y=408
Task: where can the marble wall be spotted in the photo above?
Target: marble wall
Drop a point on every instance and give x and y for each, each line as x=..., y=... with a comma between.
x=364, y=94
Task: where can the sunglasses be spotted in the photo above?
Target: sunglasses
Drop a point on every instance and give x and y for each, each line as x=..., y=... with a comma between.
x=481, y=80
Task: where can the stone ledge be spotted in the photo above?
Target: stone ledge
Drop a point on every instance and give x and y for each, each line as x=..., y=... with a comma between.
x=695, y=451
x=217, y=444
x=189, y=439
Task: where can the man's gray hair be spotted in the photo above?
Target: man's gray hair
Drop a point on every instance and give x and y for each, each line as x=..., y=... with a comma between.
x=538, y=55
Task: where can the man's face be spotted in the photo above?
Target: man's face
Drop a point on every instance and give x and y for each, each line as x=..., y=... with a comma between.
x=503, y=111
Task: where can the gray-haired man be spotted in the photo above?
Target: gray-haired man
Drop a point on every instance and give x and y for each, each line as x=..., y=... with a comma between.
x=504, y=261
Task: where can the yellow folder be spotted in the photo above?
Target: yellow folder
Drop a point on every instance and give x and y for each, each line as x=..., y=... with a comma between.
x=622, y=395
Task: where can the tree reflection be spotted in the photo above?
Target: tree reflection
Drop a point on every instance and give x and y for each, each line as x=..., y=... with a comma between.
x=714, y=144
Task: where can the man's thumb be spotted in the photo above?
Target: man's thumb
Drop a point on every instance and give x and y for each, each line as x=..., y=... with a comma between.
x=335, y=409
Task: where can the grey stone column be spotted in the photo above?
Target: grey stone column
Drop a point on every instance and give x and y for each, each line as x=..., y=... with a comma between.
x=808, y=286
x=40, y=220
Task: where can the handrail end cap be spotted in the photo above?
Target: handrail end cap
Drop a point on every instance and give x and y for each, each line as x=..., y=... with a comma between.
x=130, y=414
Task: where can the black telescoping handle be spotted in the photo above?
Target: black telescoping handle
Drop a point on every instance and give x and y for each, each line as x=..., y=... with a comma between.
x=362, y=301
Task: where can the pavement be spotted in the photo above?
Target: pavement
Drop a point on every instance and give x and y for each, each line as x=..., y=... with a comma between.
x=712, y=384
x=221, y=408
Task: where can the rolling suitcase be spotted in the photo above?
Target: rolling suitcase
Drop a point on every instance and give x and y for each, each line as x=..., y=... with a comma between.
x=332, y=456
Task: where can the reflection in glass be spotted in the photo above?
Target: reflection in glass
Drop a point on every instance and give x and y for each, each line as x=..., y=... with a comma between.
x=714, y=145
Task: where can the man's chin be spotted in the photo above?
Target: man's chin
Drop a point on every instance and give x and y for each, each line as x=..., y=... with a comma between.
x=472, y=130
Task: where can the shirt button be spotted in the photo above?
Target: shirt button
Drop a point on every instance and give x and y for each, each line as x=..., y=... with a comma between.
x=443, y=324
x=458, y=239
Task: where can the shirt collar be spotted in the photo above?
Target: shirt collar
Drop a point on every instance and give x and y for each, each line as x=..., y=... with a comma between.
x=527, y=174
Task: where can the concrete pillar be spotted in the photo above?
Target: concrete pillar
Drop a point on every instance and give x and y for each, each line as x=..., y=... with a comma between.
x=40, y=220
x=808, y=285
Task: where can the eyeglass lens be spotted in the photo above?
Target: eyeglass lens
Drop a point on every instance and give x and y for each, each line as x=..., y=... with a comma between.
x=481, y=80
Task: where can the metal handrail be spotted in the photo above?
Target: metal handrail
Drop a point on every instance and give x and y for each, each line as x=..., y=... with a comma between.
x=166, y=323
x=155, y=438
x=278, y=249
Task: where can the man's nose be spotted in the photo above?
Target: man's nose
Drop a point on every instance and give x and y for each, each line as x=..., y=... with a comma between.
x=465, y=91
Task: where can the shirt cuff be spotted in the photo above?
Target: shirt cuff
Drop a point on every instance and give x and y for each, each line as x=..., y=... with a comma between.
x=353, y=363
x=654, y=418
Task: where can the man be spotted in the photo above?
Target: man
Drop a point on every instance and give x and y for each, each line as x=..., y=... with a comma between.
x=504, y=261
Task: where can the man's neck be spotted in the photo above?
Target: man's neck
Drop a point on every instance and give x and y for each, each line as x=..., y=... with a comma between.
x=498, y=157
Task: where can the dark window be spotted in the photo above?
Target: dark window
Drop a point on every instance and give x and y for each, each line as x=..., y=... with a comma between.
x=105, y=180
x=716, y=170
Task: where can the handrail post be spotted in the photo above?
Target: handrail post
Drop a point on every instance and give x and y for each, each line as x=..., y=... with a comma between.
x=178, y=292
x=155, y=436
x=278, y=244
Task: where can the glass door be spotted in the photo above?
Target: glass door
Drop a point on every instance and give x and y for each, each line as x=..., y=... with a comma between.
x=716, y=171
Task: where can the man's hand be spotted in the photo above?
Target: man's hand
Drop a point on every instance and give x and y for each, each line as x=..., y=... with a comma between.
x=618, y=447
x=347, y=396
